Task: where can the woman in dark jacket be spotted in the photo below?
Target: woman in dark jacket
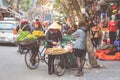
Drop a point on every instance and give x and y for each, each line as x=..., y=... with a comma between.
x=24, y=26
x=53, y=37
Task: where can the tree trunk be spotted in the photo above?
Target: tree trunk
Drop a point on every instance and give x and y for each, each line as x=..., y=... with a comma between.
x=72, y=17
x=11, y=3
x=92, y=59
x=18, y=3
x=77, y=9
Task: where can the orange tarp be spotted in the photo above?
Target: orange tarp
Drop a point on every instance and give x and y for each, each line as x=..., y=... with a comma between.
x=103, y=55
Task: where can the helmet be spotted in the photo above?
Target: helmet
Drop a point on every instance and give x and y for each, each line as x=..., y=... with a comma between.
x=23, y=21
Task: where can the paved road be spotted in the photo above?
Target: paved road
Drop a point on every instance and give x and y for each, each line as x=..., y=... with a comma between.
x=12, y=67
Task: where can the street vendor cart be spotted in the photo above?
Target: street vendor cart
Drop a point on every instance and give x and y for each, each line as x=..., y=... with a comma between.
x=31, y=43
x=60, y=59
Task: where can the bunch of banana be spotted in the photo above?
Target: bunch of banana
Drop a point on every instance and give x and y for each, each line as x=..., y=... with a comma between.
x=31, y=37
x=38, y=33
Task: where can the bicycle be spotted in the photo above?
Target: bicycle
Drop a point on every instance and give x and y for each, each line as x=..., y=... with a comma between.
x=71, y=61
x=59, y=60
x=60, y=64
x=32, y=60
x=22, y=49
x=65, y=60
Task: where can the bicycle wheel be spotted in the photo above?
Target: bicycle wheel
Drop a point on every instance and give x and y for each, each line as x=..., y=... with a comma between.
x=71, y=62
x=31, y=62
x=46, y=58
x=59, y=65
x=43, y=55
x=22, y=49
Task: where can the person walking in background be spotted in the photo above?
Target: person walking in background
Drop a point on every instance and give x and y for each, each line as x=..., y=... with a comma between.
x=37, y=26
x=96, y=36
x=66, y=27
x=80, y=46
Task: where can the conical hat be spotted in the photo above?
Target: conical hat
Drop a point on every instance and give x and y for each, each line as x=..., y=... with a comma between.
x=55, y=25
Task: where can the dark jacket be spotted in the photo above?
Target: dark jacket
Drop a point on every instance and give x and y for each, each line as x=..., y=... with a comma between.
x=24, y=27
x=51, y=37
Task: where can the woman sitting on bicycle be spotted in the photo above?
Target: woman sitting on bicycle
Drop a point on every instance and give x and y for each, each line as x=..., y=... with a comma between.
x=53, y=37
x=80, y=46
x=35, y=48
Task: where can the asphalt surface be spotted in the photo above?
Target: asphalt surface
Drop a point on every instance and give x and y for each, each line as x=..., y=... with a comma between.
x=12, y=67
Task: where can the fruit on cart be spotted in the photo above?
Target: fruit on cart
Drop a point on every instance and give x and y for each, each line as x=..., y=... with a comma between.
x=31, y=37
x=22, y=35
x=25, y=35
x=38, y=33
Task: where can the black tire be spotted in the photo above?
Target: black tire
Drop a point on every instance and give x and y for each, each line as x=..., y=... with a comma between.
x=23, y=49
x=29, y=61
x=71, y=62
x=59, y=65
